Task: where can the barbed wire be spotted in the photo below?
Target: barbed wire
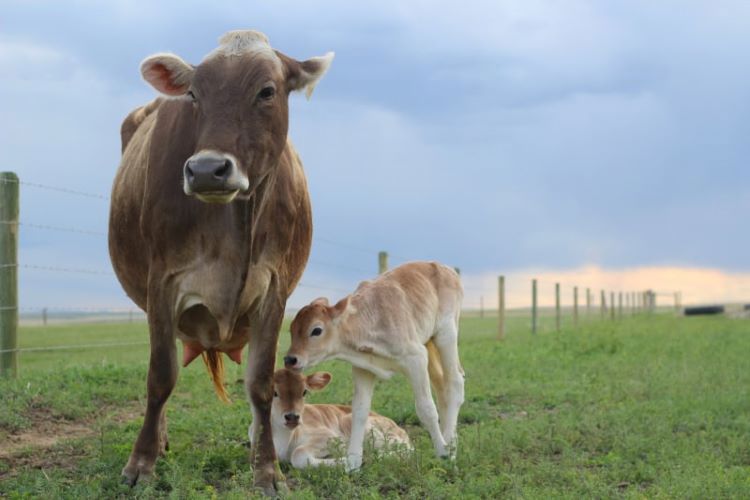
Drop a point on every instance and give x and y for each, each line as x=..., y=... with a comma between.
x=74, y=346
x=54, y=228
x=53, y=188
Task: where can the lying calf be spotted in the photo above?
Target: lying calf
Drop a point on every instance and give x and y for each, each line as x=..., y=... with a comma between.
x=404, y=321
x=303, y=432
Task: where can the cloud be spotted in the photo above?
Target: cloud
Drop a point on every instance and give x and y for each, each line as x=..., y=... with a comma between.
x=488, y=135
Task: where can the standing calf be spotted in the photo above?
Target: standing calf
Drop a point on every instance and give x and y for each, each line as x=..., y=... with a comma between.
x=407, y=321
x=302, y=433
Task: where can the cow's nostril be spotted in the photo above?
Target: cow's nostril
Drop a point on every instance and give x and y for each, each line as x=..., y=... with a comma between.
x=223, y=171
x=189, y=172
x=291, y=417
x=290, y=360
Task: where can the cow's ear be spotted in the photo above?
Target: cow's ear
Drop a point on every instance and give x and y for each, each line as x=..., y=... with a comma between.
x=340, y=306
x=168, y=74
x=304, y=75
x=318, y=380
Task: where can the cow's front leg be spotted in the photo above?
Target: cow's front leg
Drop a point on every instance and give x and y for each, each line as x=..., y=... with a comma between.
x=162, y=376
x=260, y=367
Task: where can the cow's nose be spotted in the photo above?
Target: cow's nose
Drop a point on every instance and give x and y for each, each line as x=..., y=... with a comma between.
x=290, y=361
x=291, y=418
x=211, y=173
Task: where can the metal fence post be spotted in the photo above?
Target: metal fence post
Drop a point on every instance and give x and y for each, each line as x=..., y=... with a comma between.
x=9, y=195
x=533, y=307
x=501, y=307
x=557, y=307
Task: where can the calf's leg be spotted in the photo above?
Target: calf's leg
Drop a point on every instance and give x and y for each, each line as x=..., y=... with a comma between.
x=415, y=368
x=364, y=384
x=264, y=335
x=162, y=376
x=453, y=379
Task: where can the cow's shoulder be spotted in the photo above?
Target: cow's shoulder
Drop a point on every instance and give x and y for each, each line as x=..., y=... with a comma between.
x=134, y=119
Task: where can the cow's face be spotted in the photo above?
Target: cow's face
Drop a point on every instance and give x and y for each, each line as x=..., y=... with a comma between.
x=239, y=99
x=289, y=391
x=315, y=334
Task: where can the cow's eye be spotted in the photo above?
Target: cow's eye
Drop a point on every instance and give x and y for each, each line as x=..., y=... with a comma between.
x=304, y=393
x=191, y=95
x=275, y=394
x=316, y=331
x=266, y=93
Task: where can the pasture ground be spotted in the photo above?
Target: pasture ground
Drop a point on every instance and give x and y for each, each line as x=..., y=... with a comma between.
x=653, y=406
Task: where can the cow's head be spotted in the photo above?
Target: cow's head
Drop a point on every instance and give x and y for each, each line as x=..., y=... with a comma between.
x=315, y=333
x=239, y=97
x=289, y=391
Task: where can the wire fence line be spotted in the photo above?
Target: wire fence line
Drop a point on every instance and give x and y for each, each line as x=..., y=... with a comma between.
x=68, y=312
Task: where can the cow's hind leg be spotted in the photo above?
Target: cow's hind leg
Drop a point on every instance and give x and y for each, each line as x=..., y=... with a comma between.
x=259, y=382
x=446, y=342
x=415, y=368
x=162, y=376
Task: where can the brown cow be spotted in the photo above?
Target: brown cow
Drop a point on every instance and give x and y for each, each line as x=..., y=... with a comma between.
x=210, y=224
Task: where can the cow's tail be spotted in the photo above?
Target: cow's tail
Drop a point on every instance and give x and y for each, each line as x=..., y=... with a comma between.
x=435, y=367
x=215, y=365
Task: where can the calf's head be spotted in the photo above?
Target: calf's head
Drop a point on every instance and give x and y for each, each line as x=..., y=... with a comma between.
x=238, y=98
x=315, y=333
x=289, y=391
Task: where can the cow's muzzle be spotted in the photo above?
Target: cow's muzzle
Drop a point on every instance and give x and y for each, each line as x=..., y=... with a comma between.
x=213, y=177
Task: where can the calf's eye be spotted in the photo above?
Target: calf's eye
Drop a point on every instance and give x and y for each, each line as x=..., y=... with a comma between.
x=316, y=331
x=304, y=393
x=275, y=394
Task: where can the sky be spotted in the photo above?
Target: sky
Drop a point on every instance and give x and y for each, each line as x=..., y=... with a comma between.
x=601, y=144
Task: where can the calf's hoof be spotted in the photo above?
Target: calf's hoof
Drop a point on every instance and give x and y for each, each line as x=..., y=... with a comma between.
x=353, y=463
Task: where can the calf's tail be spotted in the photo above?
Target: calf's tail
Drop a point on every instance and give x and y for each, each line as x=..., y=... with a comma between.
x=434, y=366
x=215, y=365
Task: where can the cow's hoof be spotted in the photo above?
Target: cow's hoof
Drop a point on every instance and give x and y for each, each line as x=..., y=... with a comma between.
x=137, y=470
x=275, y=488
x=272, y=484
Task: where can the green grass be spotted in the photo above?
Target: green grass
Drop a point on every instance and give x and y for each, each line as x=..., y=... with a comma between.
x=648, y=407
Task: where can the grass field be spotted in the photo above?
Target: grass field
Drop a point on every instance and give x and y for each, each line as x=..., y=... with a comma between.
x=648, y=407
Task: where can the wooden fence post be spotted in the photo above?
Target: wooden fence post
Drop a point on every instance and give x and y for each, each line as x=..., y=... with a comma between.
x=603, y=305
x=533, y=306
x=501, y=307
x=575, y=306
x=9, y=194
x=481, y=306
x=619, y=304
x=382, y=262
x=588, y=302
x=44, y=316
x=612, y=305
x=557, y=307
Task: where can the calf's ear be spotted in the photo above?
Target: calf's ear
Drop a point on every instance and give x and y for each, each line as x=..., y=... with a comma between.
x=167, y=73
x=318, y=380
x=304, y=75
x=340, y=306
